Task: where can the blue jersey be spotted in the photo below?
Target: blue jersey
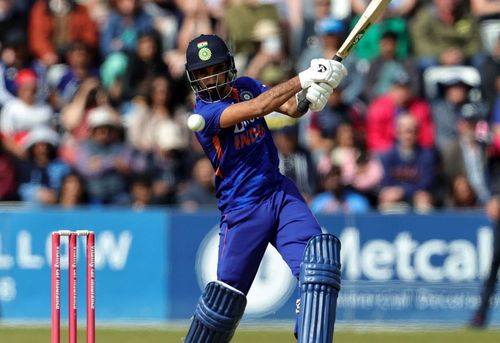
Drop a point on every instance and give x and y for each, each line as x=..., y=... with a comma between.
x=244, y=156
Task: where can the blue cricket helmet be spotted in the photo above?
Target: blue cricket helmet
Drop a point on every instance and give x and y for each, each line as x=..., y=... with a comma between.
x=205, y=51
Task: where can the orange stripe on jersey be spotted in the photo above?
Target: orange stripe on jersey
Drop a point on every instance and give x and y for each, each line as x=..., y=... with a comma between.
x=218, y=173
x=218, y=149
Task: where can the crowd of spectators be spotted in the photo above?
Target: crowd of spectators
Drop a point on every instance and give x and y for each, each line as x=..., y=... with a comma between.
x=94, y=101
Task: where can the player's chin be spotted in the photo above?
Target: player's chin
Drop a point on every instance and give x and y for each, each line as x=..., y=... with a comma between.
x=213, y=94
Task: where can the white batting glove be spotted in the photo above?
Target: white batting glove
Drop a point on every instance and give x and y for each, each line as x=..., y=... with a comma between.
x=323, y=70
x=317, y=94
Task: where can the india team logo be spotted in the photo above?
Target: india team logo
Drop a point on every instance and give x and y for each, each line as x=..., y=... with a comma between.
x=205, y=54
x=273, y=284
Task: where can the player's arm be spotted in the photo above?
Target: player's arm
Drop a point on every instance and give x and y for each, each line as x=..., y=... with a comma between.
x=326, y=74
x=290, y=108
x=265, y=103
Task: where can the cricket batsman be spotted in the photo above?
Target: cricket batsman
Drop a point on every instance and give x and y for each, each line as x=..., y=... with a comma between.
x=258, y=204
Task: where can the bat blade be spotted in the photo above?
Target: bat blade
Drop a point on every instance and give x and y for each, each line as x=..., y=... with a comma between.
x=372, y=12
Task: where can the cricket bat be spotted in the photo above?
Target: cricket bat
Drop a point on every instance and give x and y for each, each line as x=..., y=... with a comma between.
x=369, y=16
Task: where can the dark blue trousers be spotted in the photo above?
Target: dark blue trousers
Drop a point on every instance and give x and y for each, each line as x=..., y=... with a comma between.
x=283, y=219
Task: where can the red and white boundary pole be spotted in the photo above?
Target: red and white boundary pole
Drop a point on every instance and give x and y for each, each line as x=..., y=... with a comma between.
x=72, y=277
x=91, y=288
x=56, y=287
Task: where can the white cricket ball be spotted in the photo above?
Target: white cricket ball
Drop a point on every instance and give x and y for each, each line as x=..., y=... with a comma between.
x=196, y=122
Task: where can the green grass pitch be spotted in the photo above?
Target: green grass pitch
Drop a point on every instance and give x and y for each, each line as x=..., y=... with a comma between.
x=160, y=335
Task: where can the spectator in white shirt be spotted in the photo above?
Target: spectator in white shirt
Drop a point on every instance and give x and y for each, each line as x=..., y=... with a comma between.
x=23, y=113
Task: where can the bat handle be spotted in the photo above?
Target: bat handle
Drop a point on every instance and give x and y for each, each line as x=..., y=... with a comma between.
x=303, y=105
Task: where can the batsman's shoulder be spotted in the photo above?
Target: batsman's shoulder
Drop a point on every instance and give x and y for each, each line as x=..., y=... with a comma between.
x=247, y=82
x=249, y=87
x=244, y=79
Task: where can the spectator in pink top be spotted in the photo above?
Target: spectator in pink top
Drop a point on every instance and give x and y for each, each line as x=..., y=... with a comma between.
x=383, y=112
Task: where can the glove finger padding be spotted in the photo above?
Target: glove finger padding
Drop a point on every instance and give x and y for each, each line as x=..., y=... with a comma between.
x=313, y=94
x=323, y=87
x=319, y=104
x=339, y=67
x=318, y=95
x=320, y=88
x=339, y=71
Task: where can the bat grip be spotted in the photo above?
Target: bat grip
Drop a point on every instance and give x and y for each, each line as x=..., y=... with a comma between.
x=303, y=105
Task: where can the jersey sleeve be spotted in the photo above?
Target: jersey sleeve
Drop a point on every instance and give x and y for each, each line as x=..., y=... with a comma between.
x=261, y=88
x=211, y=113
